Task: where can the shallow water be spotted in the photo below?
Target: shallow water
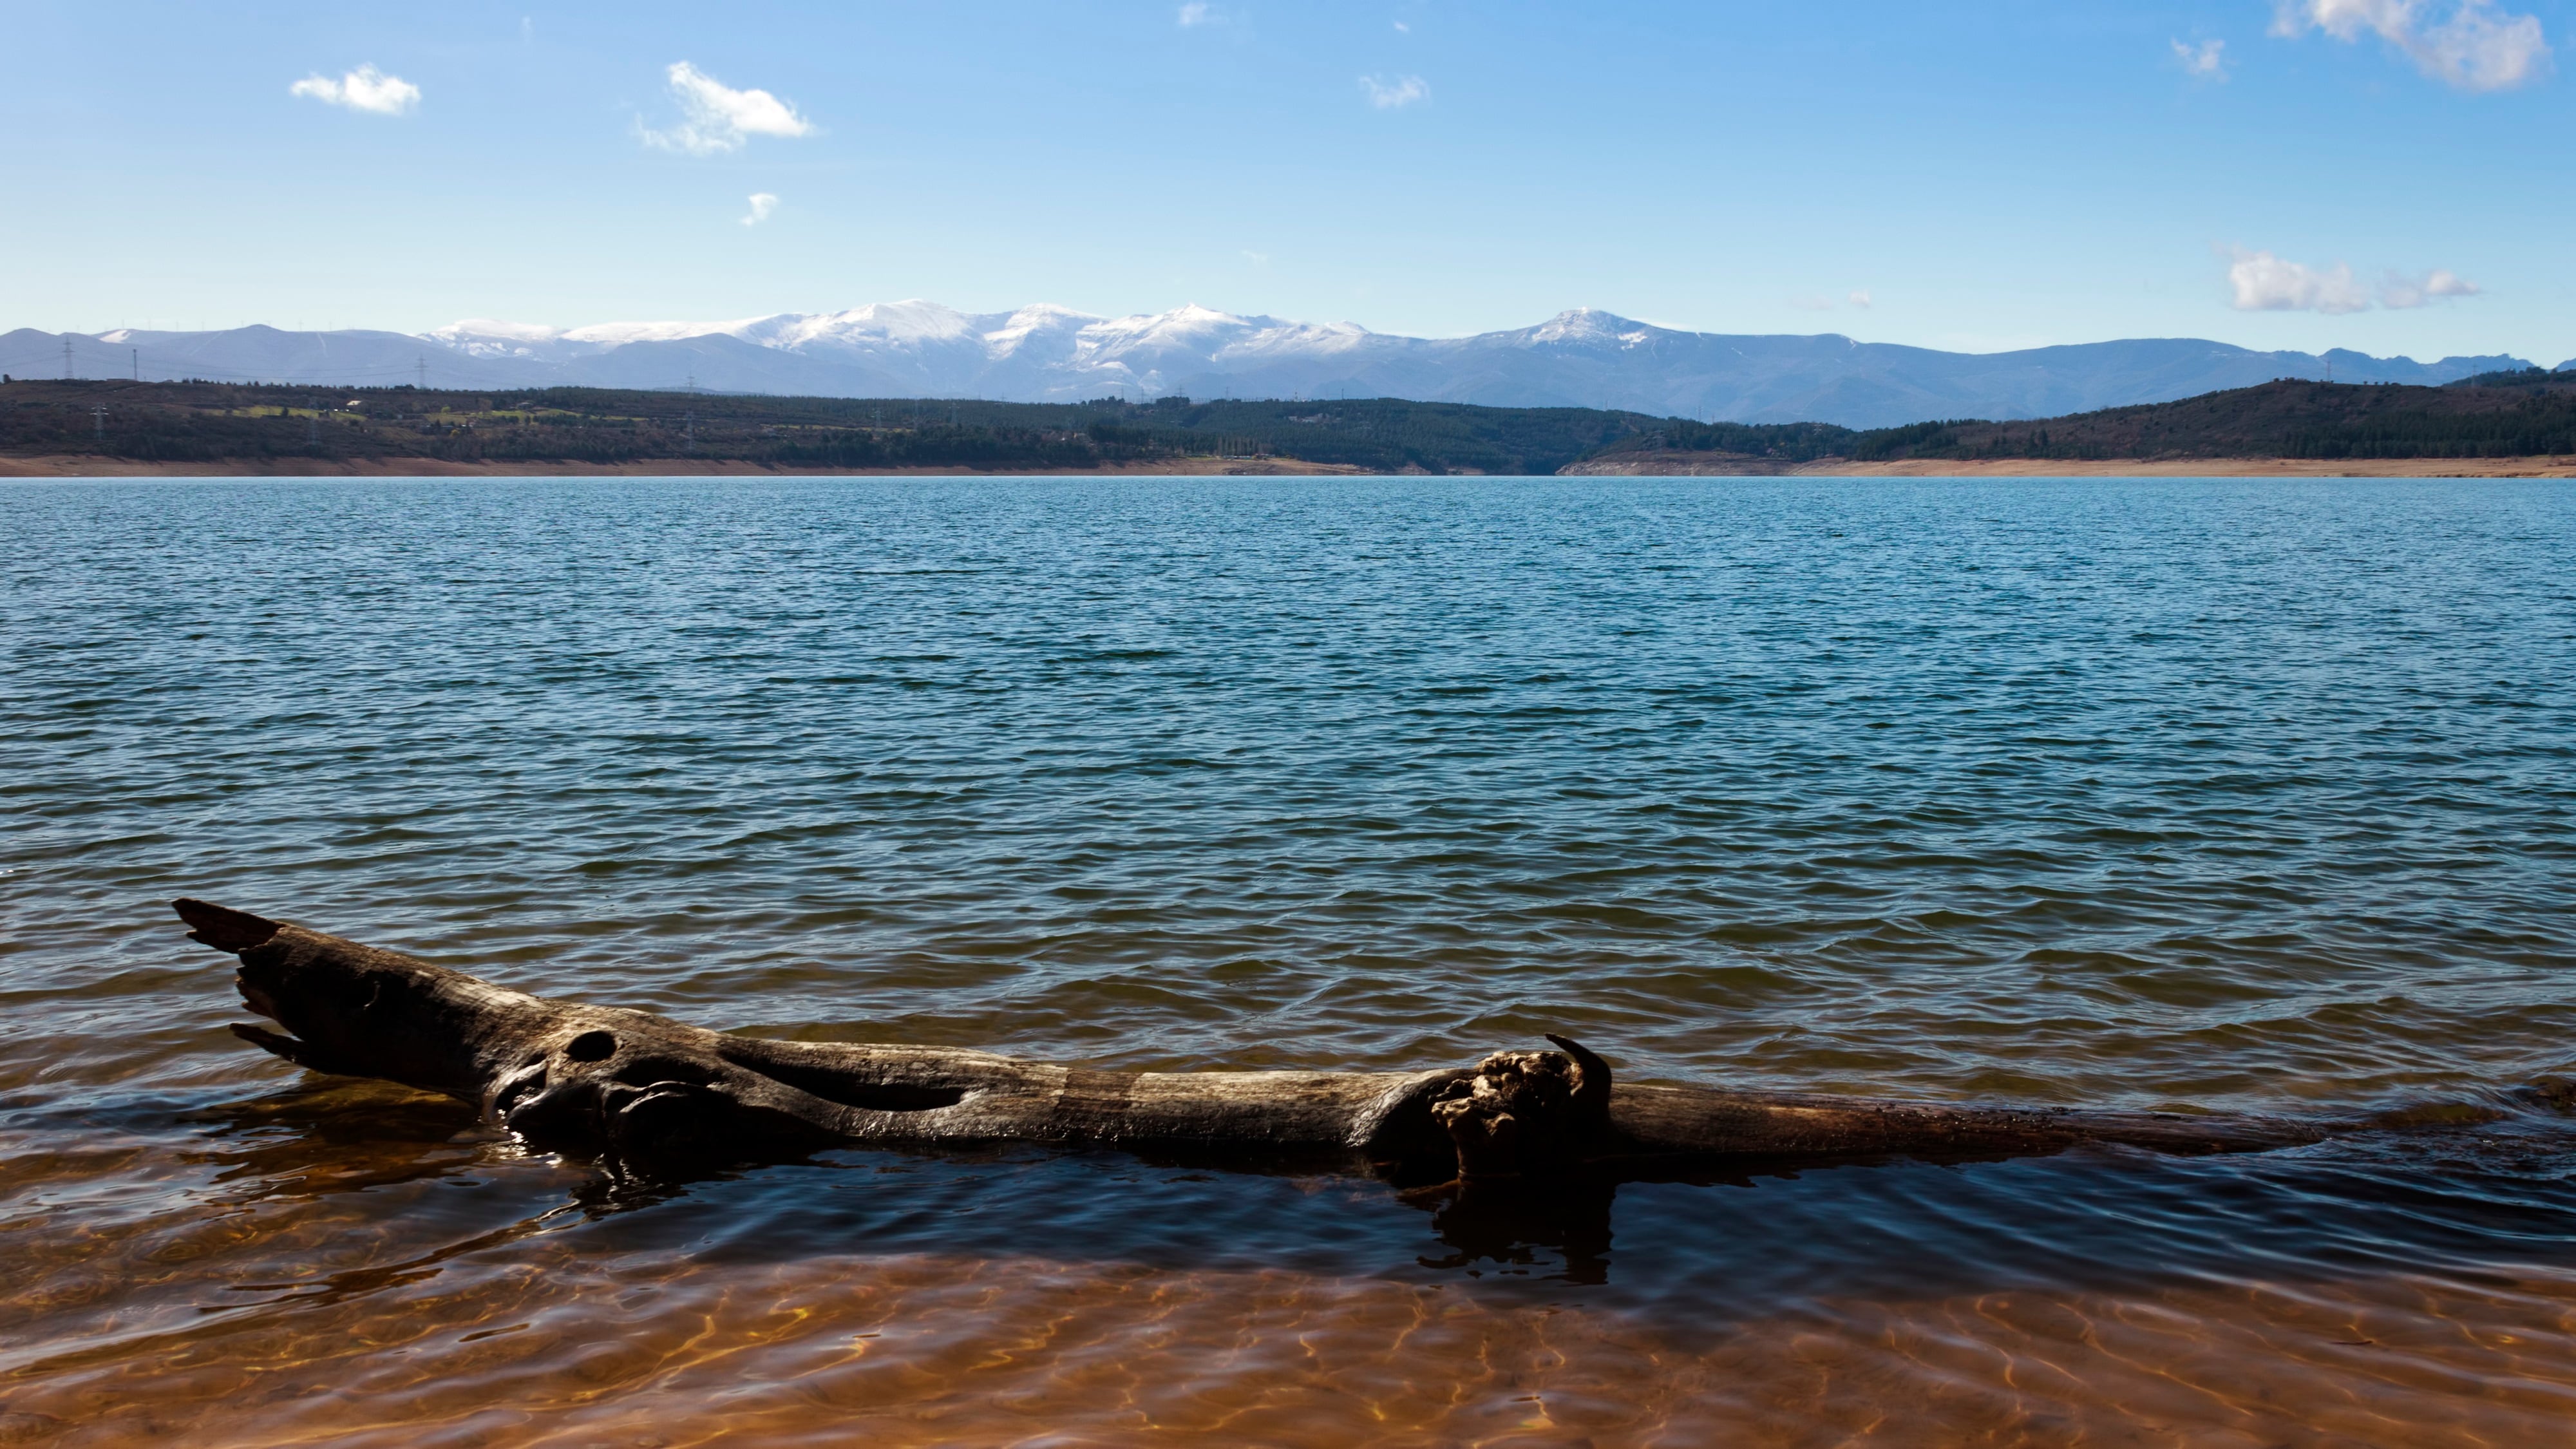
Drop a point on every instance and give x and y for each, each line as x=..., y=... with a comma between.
x=2227, y=794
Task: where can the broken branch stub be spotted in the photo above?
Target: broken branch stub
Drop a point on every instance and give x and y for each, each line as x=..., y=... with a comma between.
x=1528, y=1112
x=664, y=1096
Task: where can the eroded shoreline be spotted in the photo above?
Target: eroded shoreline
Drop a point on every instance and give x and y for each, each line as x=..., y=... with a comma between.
x=74, y=465
x=1666, y=465
x=1650, y=466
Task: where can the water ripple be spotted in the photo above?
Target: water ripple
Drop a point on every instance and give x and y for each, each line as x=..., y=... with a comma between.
x=2182, y=793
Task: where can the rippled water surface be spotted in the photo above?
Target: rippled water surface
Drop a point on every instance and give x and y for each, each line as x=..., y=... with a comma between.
x=2229, y=795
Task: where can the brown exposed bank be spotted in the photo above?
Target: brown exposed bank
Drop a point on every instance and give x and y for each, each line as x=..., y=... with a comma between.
x=1736, y=465
x=75, y=465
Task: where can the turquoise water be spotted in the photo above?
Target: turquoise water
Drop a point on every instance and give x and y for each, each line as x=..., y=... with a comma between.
x=2213, y=793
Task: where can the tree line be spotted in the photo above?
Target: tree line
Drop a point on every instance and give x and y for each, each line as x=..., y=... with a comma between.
x=215, y=422
x=2507, y=415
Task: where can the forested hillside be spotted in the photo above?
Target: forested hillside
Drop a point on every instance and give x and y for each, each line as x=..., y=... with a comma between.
x=2520, y=414
x=213, y=422
x=2497, y=415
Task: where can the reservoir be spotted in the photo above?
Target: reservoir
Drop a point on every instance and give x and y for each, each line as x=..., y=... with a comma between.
x=2222, y=795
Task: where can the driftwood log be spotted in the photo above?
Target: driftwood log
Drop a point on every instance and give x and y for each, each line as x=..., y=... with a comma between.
x=658, y=1096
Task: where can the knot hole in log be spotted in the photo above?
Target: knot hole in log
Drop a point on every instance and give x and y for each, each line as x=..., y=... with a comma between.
x=1527, y=1112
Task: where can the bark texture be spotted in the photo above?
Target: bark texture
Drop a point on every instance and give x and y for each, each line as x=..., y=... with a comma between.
x=659, y=1095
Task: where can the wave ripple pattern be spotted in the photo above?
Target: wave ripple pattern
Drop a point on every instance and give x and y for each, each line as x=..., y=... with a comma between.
x=2182, y=793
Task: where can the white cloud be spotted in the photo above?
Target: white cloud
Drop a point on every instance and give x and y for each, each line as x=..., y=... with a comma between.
x=762, y=204
x=2263, y=282
x=2400, y=291
x=1403, y=29
x=1258, y=259
x=363, y=89
x=2478, y=48
x=1194, y=13
x=2207, y=60
x=715, y=117
x=1860, y=298
x=1403, y=90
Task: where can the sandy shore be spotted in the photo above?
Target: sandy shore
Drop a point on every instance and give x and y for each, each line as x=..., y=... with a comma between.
x=1736, y=465
x=73, y=465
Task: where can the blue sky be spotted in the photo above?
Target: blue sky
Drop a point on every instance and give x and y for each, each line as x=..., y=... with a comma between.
x=2387, y=175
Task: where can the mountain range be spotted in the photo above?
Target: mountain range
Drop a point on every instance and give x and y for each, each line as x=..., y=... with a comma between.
x=1584, y=358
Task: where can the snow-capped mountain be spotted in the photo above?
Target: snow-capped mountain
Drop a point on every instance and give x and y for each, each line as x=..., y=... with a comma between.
x=1043, y=353
x=1040, y=353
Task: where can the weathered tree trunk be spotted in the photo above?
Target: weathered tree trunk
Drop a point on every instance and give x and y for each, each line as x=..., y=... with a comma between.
x=659, y=1095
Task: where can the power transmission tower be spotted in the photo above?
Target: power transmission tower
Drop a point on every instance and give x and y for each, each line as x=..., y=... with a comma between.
x=313, y=432
x=98, y=421
x=138, y=364
x=420, y=368
x=67, y=357
x=689, y=427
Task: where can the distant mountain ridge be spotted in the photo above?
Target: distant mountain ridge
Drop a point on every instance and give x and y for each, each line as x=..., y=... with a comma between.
x=1580, y=358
